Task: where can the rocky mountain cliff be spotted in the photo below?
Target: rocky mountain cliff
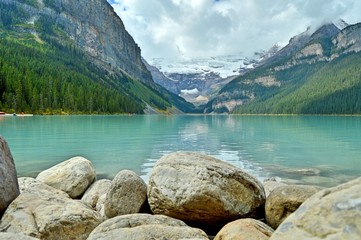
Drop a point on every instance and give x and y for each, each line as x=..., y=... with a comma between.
x=324, y=62
x=94, y=27
x=349, y=40
x=86, y=39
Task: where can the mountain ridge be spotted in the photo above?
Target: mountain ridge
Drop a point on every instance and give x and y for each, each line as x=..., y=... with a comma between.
x=198, y=79
x=85, y=39
x=296, y=67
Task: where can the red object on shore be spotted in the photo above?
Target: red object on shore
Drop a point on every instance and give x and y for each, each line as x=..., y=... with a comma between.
x=2, y=113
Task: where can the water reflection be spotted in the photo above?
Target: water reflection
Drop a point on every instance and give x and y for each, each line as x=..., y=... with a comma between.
x=264, y=146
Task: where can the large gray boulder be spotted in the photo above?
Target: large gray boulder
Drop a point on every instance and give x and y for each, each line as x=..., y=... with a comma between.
x=200, y=189
x=145, y=226
x=333, y=213
x=95, y=191
x=73, y=176
x=127, y=194
x=43, y=212
x=245, y=229
x=284, y=200
x=9, y=188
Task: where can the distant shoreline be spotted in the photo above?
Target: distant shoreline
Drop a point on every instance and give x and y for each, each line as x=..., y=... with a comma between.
x=188, y=114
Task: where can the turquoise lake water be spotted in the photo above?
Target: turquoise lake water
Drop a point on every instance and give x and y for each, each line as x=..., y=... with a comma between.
x=323, y=150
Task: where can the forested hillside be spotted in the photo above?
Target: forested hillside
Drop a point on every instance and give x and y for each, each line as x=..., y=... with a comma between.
x=43, y=71
x=317, y=73
x=323, y=88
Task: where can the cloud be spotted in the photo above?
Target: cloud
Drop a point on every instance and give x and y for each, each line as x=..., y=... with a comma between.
x=204, y=28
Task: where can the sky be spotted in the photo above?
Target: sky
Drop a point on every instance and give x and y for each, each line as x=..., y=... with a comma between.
x=172, y=29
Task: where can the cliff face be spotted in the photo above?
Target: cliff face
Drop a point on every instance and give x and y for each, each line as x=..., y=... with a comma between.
x=161, y=79
x=349, y=39
x=79, y=57
x=96, y=28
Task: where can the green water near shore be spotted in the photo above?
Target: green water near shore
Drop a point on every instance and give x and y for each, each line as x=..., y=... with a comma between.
x=323, y=150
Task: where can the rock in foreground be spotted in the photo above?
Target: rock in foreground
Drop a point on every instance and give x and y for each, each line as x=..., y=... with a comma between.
x=9, y=187
x=202, y=190
x=15, y=236
x=73, y=176
x=245, y=229
x=48, y=214
x=145, y=226
x=95, y=191
x=284, y=200
x=126, y=195
x=333, y=213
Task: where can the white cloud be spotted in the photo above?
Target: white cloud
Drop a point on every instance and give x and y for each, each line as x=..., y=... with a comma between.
x=202, y=28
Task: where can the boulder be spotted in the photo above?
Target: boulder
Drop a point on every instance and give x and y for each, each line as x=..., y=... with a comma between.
x=200, y=189
x=48, y=214
x=73, y=176
x=15, y=236
x=126, y=195
x=31, y=185
x=245, y=229
x=269, y=186
x=95, y=191
x=284, y=200
x=333, y=213
x=145, y=226
x=9, y=188
x=100, y=206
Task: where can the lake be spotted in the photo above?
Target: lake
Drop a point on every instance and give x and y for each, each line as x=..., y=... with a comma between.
x=323, y=150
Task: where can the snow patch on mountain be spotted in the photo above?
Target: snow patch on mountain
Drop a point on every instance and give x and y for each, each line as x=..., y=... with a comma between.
x=190, y=91
x=223, y=66
x=198, y=79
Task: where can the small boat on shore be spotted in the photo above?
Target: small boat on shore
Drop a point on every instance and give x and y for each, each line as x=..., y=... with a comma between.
x=15, y=114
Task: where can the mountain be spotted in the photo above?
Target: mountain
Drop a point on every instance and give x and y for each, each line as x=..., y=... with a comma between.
x=316, y=73
x=198, y=79
x=74, y=57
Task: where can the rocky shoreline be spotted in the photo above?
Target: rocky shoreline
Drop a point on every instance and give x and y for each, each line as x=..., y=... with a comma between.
x=188, y=196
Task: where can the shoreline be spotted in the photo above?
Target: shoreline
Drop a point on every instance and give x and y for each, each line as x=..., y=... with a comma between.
x=184, y=114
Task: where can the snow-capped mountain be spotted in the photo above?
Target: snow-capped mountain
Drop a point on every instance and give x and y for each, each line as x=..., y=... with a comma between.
x=197, y=79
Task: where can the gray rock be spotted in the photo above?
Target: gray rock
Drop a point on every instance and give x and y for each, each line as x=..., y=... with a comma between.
x=31, y=185
x=284, y=200
x=126, y=195
x=93, y=193
x=145, y=226
x=245, y=229
x=73, y=176
x=15, y=236
x=348, y=40
x=100, y=206
x=333, y=213
x=9, y=188
x=95, y=27
x=45, y=214
x=269, y=186
x=202, y=190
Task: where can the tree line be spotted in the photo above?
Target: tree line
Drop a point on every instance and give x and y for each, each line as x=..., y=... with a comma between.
x=47, y=80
